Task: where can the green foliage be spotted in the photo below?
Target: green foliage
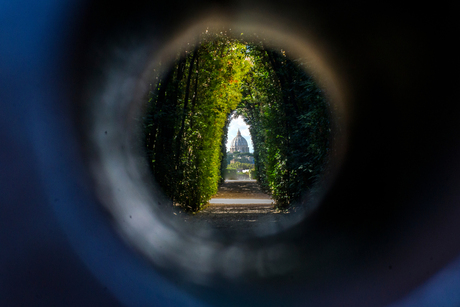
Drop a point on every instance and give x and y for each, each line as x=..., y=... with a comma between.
x=223, y=148
x=253, y=174
x=289, y=124
x=234, y=174
x=188, y=110
x=240, y=166
x=231, y=174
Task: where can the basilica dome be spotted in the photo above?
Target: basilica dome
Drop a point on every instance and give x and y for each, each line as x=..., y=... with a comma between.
x=239, y=143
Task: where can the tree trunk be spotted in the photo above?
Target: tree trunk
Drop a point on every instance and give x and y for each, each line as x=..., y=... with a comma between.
x=158, y=107
x=185, y=110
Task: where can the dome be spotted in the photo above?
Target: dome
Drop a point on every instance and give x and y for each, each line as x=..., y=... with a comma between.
x=239, y=143
x=239, y=140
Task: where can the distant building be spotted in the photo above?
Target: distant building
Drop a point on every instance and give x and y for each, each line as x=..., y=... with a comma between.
x=248, y=159
x=239, y=144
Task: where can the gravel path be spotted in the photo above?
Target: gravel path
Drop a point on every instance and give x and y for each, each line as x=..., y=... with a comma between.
x=246, y=216
x=241, y=189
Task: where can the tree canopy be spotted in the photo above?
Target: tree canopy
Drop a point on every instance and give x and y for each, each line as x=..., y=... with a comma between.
x=290, y=124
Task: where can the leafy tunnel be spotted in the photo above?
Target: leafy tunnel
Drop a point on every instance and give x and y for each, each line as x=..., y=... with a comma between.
x=191, y=102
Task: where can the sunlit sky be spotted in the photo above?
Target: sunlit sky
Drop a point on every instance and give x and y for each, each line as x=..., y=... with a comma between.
x=236, y=124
